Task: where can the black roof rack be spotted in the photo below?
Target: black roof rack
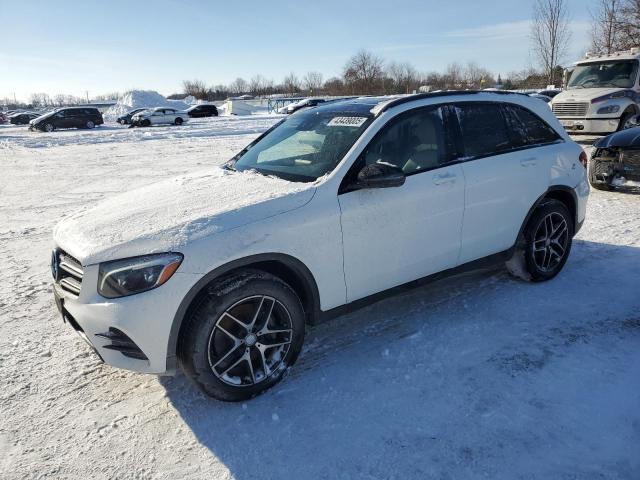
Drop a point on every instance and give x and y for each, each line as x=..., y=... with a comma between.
x=446, y=93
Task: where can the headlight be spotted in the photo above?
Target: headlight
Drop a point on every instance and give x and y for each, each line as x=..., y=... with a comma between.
x=121, y=278
x=609, y=109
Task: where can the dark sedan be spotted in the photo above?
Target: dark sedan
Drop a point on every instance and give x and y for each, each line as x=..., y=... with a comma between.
x=22, y=118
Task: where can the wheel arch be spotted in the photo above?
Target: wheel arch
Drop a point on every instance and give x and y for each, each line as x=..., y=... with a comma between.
x=562, y=193
x=288, y=268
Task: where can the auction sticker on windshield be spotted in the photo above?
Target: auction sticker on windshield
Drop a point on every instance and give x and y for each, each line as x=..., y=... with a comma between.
x=347, y=121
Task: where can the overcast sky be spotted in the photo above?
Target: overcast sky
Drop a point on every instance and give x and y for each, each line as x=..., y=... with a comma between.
x=60, y=46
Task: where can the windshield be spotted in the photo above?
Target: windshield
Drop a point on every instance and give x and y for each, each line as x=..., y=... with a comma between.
x=621, y=74
x=304, y=147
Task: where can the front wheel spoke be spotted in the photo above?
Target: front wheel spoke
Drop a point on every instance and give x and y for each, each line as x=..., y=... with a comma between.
x=559, y=252
x=228, y=333
x=548, y=258
x=276, y=344
x=242, y=324
x=266, y=331
x=559, y=232
x=265, y=365
x=234, y=364
x=226, y=355
x=253, y=375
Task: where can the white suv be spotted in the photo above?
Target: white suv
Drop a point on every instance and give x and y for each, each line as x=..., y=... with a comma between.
x=159, y=116
x=219, y=271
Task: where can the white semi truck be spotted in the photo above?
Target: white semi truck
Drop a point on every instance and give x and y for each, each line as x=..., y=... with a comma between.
x=602, y=93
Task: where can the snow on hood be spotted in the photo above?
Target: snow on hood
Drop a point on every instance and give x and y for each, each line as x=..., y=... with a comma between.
x=167, y=215
x=42, y=117
x=584, y=94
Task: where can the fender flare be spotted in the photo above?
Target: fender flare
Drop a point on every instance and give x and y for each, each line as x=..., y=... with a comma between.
x=541, y=198
x=292, y=264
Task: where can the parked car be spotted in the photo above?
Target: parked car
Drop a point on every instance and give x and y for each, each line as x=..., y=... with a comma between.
x=305, y=103
x=616, y=159
x=539, y=96
x=67, y=117
x=204, y=110
x=159, y=116
x=22, y=118
x=550, y=92
x=126, y=118
x=219, y=271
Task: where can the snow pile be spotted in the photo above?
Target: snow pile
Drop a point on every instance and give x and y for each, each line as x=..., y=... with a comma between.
x=141, y=99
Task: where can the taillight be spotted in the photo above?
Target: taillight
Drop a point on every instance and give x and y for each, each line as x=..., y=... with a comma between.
x=583, y=159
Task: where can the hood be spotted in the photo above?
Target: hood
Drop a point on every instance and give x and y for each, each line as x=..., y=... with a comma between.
x=43, y=117
x=624, y=138
x=584, y=94
x=165, y=216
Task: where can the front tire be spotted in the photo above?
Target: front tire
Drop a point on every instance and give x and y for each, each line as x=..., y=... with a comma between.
x=90, y=125
x=178, y=121
x=145, y=123
x=49, y=128
x=243, y=335
x=547, y=237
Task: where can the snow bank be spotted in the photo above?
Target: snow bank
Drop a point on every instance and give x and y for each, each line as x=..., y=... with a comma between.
x=141, y=99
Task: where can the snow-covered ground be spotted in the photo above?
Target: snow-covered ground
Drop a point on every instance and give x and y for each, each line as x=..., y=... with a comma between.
x=479, y=376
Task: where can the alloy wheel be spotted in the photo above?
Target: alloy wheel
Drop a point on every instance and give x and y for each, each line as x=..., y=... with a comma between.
x=250, y=340
x=550, y=242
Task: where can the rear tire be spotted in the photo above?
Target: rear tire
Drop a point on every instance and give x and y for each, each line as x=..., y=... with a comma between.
x=243, y=335
x=178, y=121
x=547, y=238
x=90, y=125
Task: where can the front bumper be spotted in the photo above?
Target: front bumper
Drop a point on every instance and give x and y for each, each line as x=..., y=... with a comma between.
x=144, y=319
x=590, y=125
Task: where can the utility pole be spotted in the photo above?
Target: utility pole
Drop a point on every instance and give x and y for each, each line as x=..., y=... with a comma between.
x=87, y=92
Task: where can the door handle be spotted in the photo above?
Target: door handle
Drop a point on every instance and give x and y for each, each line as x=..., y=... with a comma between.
x=444, y=179
x=528, y=162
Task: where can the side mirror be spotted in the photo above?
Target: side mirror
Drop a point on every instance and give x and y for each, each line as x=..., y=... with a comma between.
x=380, y=175
x=632, y=122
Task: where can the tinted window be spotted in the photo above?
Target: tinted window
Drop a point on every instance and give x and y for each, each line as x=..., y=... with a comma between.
x=483, y=128
x=414, y=142
x=526, y=128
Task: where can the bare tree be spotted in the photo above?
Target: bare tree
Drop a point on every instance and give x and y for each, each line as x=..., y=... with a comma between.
x=550, y=34
x=476, y=76
x=239, y=86
x=629, y=24
x=312, y=81
x=334, y=86
x=291, y=83
x=404, y=77
x=606, y=23
x=364, y=73
x=197, y=88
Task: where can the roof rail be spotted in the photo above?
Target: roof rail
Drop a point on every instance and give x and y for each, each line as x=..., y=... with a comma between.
x=446, y=93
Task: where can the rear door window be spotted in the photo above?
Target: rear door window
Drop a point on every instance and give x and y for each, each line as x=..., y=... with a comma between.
x=526, y=128
x=483, y=129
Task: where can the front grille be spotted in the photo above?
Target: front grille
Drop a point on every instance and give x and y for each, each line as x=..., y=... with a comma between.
x=570, y=109
x=67, y=272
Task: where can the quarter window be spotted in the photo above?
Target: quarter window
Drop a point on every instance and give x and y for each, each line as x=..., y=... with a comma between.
x=526, y=128
x=414, y=142
x=483, y=128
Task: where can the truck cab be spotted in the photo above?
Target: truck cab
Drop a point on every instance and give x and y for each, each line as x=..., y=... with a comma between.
x=602, y=93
